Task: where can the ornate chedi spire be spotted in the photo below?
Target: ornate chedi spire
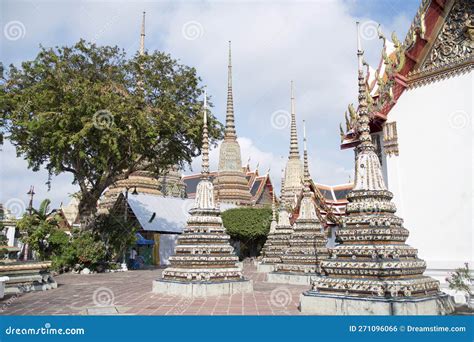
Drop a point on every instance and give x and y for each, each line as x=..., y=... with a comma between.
x=231, y=180
x=230, y=133
x=373, y=261
x=294, y=150
x=204, y=262
x=294, y=168
x=307, y=244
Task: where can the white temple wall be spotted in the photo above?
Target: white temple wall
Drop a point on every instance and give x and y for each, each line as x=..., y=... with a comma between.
x=432, y=177
x=10, y=234
x=167, y=246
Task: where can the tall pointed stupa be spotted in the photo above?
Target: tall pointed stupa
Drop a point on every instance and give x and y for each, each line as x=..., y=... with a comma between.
x=142, y=181
x=204, y=262
x=277, y=240
x=231, y=181
x=373, y=271
x=307, y=244
x=294, y=168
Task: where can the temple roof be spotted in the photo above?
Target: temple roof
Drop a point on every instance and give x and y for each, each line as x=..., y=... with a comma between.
x=438, y=45
x=163, y=214
x=256, y=183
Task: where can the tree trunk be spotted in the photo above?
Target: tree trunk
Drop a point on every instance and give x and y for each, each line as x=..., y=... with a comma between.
x=87, y=210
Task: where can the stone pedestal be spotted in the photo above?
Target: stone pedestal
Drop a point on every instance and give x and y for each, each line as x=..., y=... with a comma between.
x=312, y=302
x=265, y=268
x=2, y=286
x=27, y=276
x=291, y=278
x=201, y=289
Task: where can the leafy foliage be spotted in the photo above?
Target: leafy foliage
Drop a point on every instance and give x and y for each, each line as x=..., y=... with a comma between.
x=117, y=234
x=90, y=111
x=90, y=251
x=460, y=280
x=3, y=238
x=247, y=223
x=38, y=228
x=106, y=241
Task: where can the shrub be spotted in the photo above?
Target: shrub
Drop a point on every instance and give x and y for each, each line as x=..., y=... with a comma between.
x=249, y=226
x=460, y=280
x=89, y=250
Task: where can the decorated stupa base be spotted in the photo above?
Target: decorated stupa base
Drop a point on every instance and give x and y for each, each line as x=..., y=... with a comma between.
x=315, y=303
x=373, y=271
x=232, y=187
x=300, y=263
x=277, y=244
x=204, y=263
x=278, y=240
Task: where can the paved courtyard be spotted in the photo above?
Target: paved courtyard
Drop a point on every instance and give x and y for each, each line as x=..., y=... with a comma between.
x=129, y=293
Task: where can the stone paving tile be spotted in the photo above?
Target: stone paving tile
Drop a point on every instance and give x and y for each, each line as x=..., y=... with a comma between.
x=130, y=293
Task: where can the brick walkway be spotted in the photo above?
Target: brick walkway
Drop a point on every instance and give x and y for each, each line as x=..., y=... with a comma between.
x=129, y=293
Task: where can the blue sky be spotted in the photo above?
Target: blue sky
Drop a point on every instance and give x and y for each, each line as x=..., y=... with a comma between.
x=310, y=42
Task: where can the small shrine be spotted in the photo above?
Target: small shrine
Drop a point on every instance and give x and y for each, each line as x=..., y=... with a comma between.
x=204, y=262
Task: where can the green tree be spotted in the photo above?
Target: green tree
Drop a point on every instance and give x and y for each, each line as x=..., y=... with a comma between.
x=90, y=111
x=117, y=234
x=249, y=226
x=41, y=232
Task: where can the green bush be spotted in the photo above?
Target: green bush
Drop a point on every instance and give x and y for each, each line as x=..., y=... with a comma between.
x=248, y=226
x=110, y=236
x=116, y=233
x=89, y=250
x=247, y=223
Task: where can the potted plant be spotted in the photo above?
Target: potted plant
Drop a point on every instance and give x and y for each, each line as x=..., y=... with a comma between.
x=461, y=280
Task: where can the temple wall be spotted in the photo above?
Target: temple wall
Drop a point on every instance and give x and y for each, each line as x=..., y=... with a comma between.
x=432, y=177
